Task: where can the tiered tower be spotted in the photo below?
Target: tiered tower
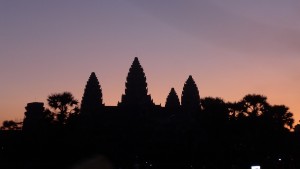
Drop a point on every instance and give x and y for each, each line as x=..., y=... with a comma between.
x=136, y=91
x=92, y=98
x=190, y=98
x=34, y=117
x=172, y=102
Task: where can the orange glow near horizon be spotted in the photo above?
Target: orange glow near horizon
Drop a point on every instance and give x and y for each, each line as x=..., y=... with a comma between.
x=112, y=95
x=229, y=50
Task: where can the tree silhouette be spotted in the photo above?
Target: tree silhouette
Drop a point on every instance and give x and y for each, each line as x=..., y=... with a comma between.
x=11, y=125
x=280, y=116
x=190, y=98
x=236, y=111
x=297, y=129
x=136, y=91
x=63, y=104
x=254, y=105
x=263, y=122
x=214, y=111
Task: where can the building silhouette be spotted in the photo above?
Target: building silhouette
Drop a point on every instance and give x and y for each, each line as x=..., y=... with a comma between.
x=136, y=104
x=137, y=133
x=34, y=116
x=172, y=101
x=92, y=102
x=136, y=90
x=92, y=106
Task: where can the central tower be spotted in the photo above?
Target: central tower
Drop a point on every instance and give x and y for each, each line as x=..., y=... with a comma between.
x=136, y=91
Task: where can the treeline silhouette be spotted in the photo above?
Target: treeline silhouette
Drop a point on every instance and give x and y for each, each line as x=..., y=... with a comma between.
x=137, y=134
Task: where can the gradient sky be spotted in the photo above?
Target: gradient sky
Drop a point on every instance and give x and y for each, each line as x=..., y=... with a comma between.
x=230, y=47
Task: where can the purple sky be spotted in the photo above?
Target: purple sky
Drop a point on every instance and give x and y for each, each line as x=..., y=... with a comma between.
x=231, y=47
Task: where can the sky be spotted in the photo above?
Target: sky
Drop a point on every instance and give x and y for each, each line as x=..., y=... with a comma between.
x=230, y=47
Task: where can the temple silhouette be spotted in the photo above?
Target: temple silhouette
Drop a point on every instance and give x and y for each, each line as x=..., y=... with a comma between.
x=130, y=125
x=135, y=102
x=186, y=133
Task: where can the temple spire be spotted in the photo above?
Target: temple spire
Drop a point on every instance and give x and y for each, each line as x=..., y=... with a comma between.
x=92, y=98
x=172, y=102
x=190, y=98
x=136, y=91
